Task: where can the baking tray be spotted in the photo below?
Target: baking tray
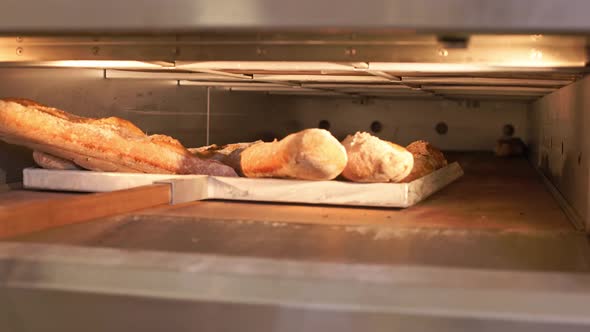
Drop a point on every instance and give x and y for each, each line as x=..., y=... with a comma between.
x=200, y=187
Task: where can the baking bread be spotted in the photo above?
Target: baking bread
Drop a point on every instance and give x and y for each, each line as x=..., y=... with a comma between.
x=110, y=144
x=425, y=148
x=510, y=147
x=371, y=159
x=52, y=162
x=228, y=154
x=311, y=154
x=427, y=159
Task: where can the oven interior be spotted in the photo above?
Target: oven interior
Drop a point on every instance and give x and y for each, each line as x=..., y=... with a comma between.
x=461, y=92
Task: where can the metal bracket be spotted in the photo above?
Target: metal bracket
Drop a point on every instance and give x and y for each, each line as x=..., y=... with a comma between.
x=189, y=189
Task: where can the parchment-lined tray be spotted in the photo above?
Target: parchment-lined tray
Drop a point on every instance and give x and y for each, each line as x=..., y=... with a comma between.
x=199, y=187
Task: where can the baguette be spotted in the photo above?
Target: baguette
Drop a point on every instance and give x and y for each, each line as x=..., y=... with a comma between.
x=427, y=159
x=311, y=154
x=110, y=144
x=371, y=159
x=51, y=162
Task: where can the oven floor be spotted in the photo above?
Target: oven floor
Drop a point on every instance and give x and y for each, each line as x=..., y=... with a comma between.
x=498, y=215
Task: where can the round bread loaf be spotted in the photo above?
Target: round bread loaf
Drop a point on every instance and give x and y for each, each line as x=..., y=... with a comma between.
x=371, y=159
x=427, y=159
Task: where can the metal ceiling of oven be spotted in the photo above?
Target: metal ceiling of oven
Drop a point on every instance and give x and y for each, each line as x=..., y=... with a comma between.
x=376, y=64
x=155, y=16
x=363, y=84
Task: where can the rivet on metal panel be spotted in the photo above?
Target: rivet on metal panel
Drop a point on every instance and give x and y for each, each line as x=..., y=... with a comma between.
x=536, y=54
x=19, y=51
x=261, y=51
x=443, y=52
x=441, y=128
x=376, y=126
x=19, y=39
x=324, y=124
x=350, y=51
x=95, y=50
x=508, y=130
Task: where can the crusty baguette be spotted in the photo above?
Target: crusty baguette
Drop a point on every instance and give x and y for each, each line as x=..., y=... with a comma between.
x=228, y=154
x=52, y=162
x=110, y=144
x=371, y=159
x=311, y=154
x=427, y=159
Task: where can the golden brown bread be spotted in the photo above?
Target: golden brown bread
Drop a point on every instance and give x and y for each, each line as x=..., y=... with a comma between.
x=228, y=154
x=52, y=162
x=371, y=159
x=110, y=144
x=311, y=154
x=425, y=148
x=427, y=159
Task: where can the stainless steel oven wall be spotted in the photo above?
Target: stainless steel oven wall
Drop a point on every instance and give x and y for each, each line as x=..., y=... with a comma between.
x=183, y=15
x=560, y=143
x=471, y=125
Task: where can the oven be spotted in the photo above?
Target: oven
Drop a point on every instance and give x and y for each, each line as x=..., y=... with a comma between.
x=502, y=247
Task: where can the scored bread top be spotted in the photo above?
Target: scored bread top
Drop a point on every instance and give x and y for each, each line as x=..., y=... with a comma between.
x=110, y=144
x=371, y=159
x=311, y=154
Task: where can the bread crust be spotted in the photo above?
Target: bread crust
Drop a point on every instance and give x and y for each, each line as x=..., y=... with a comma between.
x=311, y=154
x=427, y=159
x=48, y=161
x=229, y=154
x=371, y=159
x=110, y=144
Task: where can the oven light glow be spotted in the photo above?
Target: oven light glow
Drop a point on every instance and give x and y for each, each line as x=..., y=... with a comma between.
x=536, y=54
x=267, y=65
x=427, y=67
x=538, y=64
x=101, y=64
x=535, y=58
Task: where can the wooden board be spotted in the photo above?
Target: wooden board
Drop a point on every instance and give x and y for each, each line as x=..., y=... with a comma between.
x=22, y=216
x=199, y=187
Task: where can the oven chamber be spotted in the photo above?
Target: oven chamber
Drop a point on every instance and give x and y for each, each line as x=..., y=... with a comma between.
x=504, y=248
